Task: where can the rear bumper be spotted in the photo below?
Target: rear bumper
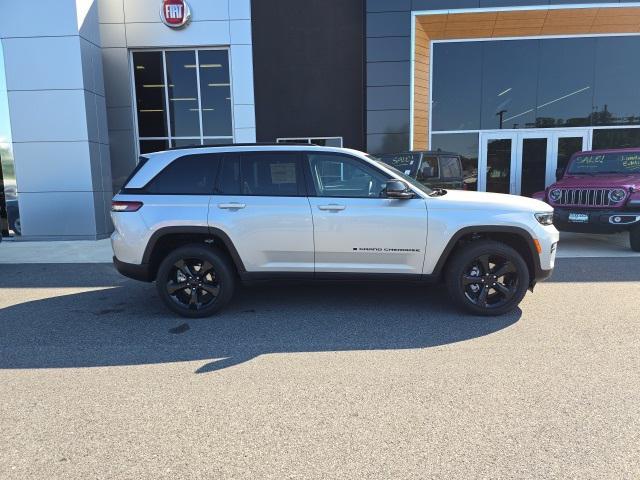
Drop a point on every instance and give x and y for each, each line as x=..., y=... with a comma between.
x=131, y=270
x=598, y=221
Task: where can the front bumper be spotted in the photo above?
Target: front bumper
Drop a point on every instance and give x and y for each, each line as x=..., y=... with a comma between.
x=597, y=220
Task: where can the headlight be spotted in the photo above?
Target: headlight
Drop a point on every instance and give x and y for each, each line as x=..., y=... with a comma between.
x=616, y=195
x=544, y=218
x=555, y=194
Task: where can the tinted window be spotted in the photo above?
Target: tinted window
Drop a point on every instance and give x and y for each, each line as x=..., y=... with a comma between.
x=617, y=96
x=188, y=175
x=466, y=145
x=215, y=92
x=229, y=177
x=405, y=162
x=343, y=176
x=150, y=101
x=271, y=174
x=509, y=76
x=565, y=86
x=456, y=86
x=428, y=169
x=450, y=167
x=625, y=163
x=616, y=138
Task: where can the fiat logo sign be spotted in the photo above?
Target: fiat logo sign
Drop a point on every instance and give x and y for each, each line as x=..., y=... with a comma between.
x=175, y=13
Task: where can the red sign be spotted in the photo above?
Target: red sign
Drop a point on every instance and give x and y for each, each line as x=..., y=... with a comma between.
x=175, y=13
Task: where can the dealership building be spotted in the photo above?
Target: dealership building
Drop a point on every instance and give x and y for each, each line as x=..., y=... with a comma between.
x=516, y=87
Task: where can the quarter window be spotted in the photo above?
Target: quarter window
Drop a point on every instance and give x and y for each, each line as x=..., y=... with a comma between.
x=342, y=176
x=188, y=175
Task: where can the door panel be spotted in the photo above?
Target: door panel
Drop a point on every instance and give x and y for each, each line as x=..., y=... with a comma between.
x=271, y=234
x=356, y=229
x=260, y=204
x=369, y=235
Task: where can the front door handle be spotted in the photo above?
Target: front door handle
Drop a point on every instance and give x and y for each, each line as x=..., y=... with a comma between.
x=231, y=206
x=332, y=207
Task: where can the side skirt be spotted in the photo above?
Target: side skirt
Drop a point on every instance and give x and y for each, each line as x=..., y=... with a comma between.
x=347, y=277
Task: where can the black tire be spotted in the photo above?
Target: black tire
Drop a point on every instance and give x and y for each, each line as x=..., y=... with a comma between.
x=634, y=238
x=195, y=281
x=493, y=264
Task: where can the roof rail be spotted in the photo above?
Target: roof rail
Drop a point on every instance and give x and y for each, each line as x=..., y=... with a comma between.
x=256, y=144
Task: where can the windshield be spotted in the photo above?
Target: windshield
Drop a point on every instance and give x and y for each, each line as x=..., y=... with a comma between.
x=621, y=162
x=405, y=162
x=412, y=181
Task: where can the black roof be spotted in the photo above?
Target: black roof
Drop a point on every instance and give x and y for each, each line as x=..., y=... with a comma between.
x=260, y=144
x=428, y=152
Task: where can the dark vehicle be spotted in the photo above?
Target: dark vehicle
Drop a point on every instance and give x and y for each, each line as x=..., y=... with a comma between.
x=13, y=215
x=598, y=193
x=435, y=169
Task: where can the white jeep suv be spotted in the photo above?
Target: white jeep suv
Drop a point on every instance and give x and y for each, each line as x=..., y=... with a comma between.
x=197, y=220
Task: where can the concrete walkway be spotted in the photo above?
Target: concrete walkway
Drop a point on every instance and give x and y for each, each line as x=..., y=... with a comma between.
x=572, y=245
x=81, y=251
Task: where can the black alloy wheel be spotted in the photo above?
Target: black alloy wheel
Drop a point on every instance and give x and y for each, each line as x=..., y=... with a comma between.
x=490, y=281
x=487, y=277
x=192, y=283
x=195, y=281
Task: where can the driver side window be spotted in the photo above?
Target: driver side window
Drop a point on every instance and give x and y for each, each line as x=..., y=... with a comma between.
x=337, y=175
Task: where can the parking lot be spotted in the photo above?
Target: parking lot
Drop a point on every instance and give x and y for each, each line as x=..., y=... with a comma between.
x=318, y=381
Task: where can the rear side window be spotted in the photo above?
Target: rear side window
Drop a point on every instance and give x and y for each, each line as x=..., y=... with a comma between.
x=273, y=174
x=450, y=167
x=188, y=175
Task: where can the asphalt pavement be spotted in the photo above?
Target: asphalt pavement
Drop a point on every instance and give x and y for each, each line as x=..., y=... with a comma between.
x=97, y=380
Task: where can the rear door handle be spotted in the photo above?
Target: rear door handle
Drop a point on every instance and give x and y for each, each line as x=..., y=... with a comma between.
x=331, y=207
x=231, y=206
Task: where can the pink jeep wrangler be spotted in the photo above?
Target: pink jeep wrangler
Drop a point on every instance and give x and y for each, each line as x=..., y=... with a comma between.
x=598, y=193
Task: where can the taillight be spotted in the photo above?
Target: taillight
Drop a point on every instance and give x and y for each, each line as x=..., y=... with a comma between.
x=125, y=206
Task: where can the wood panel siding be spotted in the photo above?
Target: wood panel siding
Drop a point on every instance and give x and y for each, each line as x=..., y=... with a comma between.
x=516, y=23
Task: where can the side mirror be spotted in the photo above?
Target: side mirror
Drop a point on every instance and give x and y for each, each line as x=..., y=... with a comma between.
x=559, y=173
x=397, y=189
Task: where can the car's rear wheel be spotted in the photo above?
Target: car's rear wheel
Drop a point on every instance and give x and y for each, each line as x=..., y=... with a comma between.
x=195, y=281
x=487, y=278
x=634, y=238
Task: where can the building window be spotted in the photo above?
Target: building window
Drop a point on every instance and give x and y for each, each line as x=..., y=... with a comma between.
x=9, y=211
x=321, y=141
x=466, y=145
x=183, y=98
x=616, y=138
x=535, y=83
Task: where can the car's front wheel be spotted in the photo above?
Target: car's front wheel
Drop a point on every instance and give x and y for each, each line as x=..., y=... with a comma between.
x=634, y=238
x=487, y=278
x=195, y=281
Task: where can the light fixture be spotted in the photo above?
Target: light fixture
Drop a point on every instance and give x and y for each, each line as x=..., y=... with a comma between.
x=210, y=65
x=183, y=99
x=218, y=84
x=139, y=67
x=151, y=110
x=153, y=85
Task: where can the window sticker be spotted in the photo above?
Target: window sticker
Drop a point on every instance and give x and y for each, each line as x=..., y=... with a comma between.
x=283, y=173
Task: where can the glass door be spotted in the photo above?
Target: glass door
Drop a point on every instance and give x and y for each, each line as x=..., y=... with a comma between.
x=532, y=162
x=496, y=172
x=565, y=143
x=525, y=162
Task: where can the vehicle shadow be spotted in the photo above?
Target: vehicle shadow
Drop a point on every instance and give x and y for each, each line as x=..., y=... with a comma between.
x=125, y=324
